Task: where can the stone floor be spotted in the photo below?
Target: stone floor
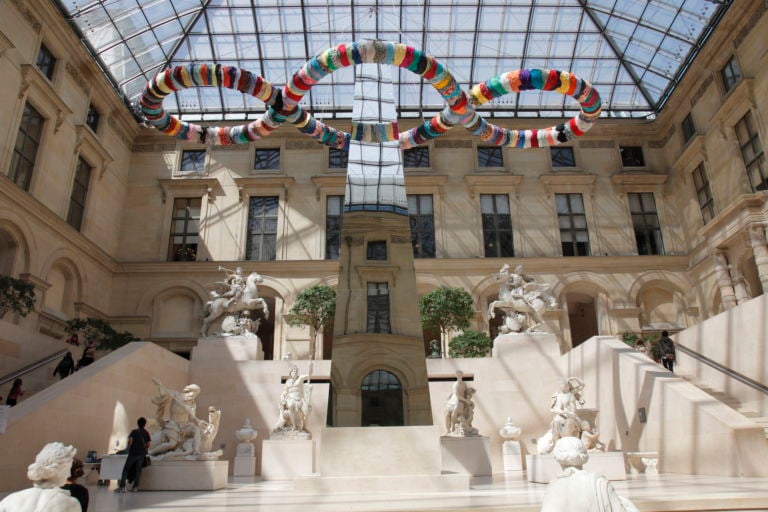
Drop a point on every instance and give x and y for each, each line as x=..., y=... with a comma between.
x=667, y=493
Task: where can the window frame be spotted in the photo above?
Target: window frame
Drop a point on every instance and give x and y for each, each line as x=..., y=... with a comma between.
x=558, y=149
x=90, y=113
x=12, y=168
x=480, y=149
x=328, y=228
x=730, y=74
x=254, y=171
x=631, y=164
x=752, y=145
x=369, y=327
x=421, y=149
x=85, y=186
x=688, y=128
x=573, y=230
x=330, y=155
x=180, y=167
x=417, y=235
x=645, y=228
x=486, y=234
x=172, y=250
x=709, y=204
x=49, y=73
x=248, y=237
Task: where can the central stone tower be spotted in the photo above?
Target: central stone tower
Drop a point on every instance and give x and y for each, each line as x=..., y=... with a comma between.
x=378, y=371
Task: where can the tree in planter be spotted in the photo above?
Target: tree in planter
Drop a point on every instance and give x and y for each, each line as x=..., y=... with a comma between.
x=447, y=309
x=16, y=295
x=470, y=344
x=314, y=307
x=94, y=329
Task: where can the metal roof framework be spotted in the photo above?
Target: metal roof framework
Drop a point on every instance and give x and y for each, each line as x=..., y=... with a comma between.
x=634, y=52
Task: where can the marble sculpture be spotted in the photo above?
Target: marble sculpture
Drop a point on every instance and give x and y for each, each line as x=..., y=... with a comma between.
x=241, y=295
x=183, y=435
x=294, y=407
x=48, y=473
x=566, y=422
x=460, y=409
x=577, y=490
x=522, y=300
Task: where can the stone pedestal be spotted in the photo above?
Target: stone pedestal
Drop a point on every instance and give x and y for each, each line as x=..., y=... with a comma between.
x=286, y=459
x=245, y=460
x=466, y=455
x=228, y=348
x=543, y=468
x=512, y=454
x=172, y=475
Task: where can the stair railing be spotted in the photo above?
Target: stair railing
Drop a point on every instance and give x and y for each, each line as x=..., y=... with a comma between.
x=723, y=369
x=32, y=367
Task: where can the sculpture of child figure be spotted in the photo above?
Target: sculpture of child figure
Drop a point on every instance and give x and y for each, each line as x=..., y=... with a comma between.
x=576, y=490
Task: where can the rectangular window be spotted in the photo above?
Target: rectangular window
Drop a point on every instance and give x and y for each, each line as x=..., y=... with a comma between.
x=376, y=250
x=337, y=159
x=92, y=118
x=645, y=220
x=416, y=157
x=267, y=159
x=185, y=228
x=703, y=193
x=497, y=225
x=422, y=220
x=79, y=194
x=192, y=160
x=490, y=157
x=752, y=153
x=689, y=129
x=262, y=229
x=632, y=156
x=46, y=62
x=731, y=74
x=572, y=220
x=562, y=156
x=333, y=209
x=378, y=308
x=25, y=150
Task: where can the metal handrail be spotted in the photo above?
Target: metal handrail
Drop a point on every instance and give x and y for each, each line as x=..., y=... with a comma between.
x=32, y=367
x=723, y=369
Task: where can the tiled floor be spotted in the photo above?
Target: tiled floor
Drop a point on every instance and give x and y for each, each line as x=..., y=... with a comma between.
x=668, y=493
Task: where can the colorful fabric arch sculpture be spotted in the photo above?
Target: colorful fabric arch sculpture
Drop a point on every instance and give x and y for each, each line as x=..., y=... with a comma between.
x=283, y=105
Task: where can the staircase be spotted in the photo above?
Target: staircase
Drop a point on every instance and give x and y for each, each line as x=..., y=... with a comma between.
x=728, y=400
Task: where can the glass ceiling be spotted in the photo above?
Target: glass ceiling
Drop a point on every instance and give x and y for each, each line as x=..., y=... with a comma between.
x=633, y=51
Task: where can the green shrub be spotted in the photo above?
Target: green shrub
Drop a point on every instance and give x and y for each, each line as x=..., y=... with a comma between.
x=16, y=295
x=470, y=344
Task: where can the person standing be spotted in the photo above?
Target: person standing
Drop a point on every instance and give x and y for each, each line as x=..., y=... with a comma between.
x=138, y=448
x=89, y=354
x=78, y=491
x=65, y=367
x=15, y=393
x=667, y=348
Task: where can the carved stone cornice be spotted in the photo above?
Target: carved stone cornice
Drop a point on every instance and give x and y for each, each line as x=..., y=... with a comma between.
x=5, y=44
x=253, y=183
x=27, y=14
x=624, y=182
x=78, y=78
x=487, y=183
x=189, y=186
x=735, y=104
x=87, y=143
x=32, y=78
x=565, y=183
x=329, y=183
x=735, y=219
x=692, y=155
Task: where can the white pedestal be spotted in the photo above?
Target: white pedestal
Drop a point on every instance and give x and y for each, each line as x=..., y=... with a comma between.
x=466, y=455
x=245, y=460
x=286, y=459
x=228, y=348
x=543, y=468
x=512, y=454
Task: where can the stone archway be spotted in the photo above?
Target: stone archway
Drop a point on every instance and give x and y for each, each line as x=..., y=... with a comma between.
x=582, y=317
x=382, y=400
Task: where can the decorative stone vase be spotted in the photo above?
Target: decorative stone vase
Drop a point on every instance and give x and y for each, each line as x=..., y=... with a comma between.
x=510, y=431
x=246, y=434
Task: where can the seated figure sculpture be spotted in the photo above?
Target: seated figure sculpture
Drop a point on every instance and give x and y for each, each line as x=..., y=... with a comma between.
x=48, y=473
x=460, y=409
x=566, y=422
x=182, y=434
x=294, y=407
x=577, y=490
x=522, y=300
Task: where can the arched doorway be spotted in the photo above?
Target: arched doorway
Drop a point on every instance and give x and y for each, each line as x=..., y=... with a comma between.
x=582, y=317
x=382, y=400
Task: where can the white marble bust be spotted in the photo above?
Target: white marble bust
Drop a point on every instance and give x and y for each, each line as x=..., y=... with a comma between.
x=48, y=473
x=576, y=490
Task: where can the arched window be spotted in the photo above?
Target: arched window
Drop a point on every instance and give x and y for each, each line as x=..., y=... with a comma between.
x=382, y=397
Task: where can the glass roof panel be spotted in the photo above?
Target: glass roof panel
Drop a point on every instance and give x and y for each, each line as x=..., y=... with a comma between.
x=634, y=52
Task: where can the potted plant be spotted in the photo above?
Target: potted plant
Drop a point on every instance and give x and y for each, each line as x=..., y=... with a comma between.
x=315, y=307
x=16, y=295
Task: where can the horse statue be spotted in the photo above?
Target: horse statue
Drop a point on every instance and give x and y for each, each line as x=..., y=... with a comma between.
x=242, y=298
x=522, y=300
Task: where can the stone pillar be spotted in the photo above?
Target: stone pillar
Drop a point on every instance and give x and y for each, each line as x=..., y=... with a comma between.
x=727, y=294
x=740, y=286
x=760, y=249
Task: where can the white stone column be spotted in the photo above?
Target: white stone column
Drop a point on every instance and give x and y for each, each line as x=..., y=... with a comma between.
x=727, y=294
x=759, y=246
x=740, y=286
